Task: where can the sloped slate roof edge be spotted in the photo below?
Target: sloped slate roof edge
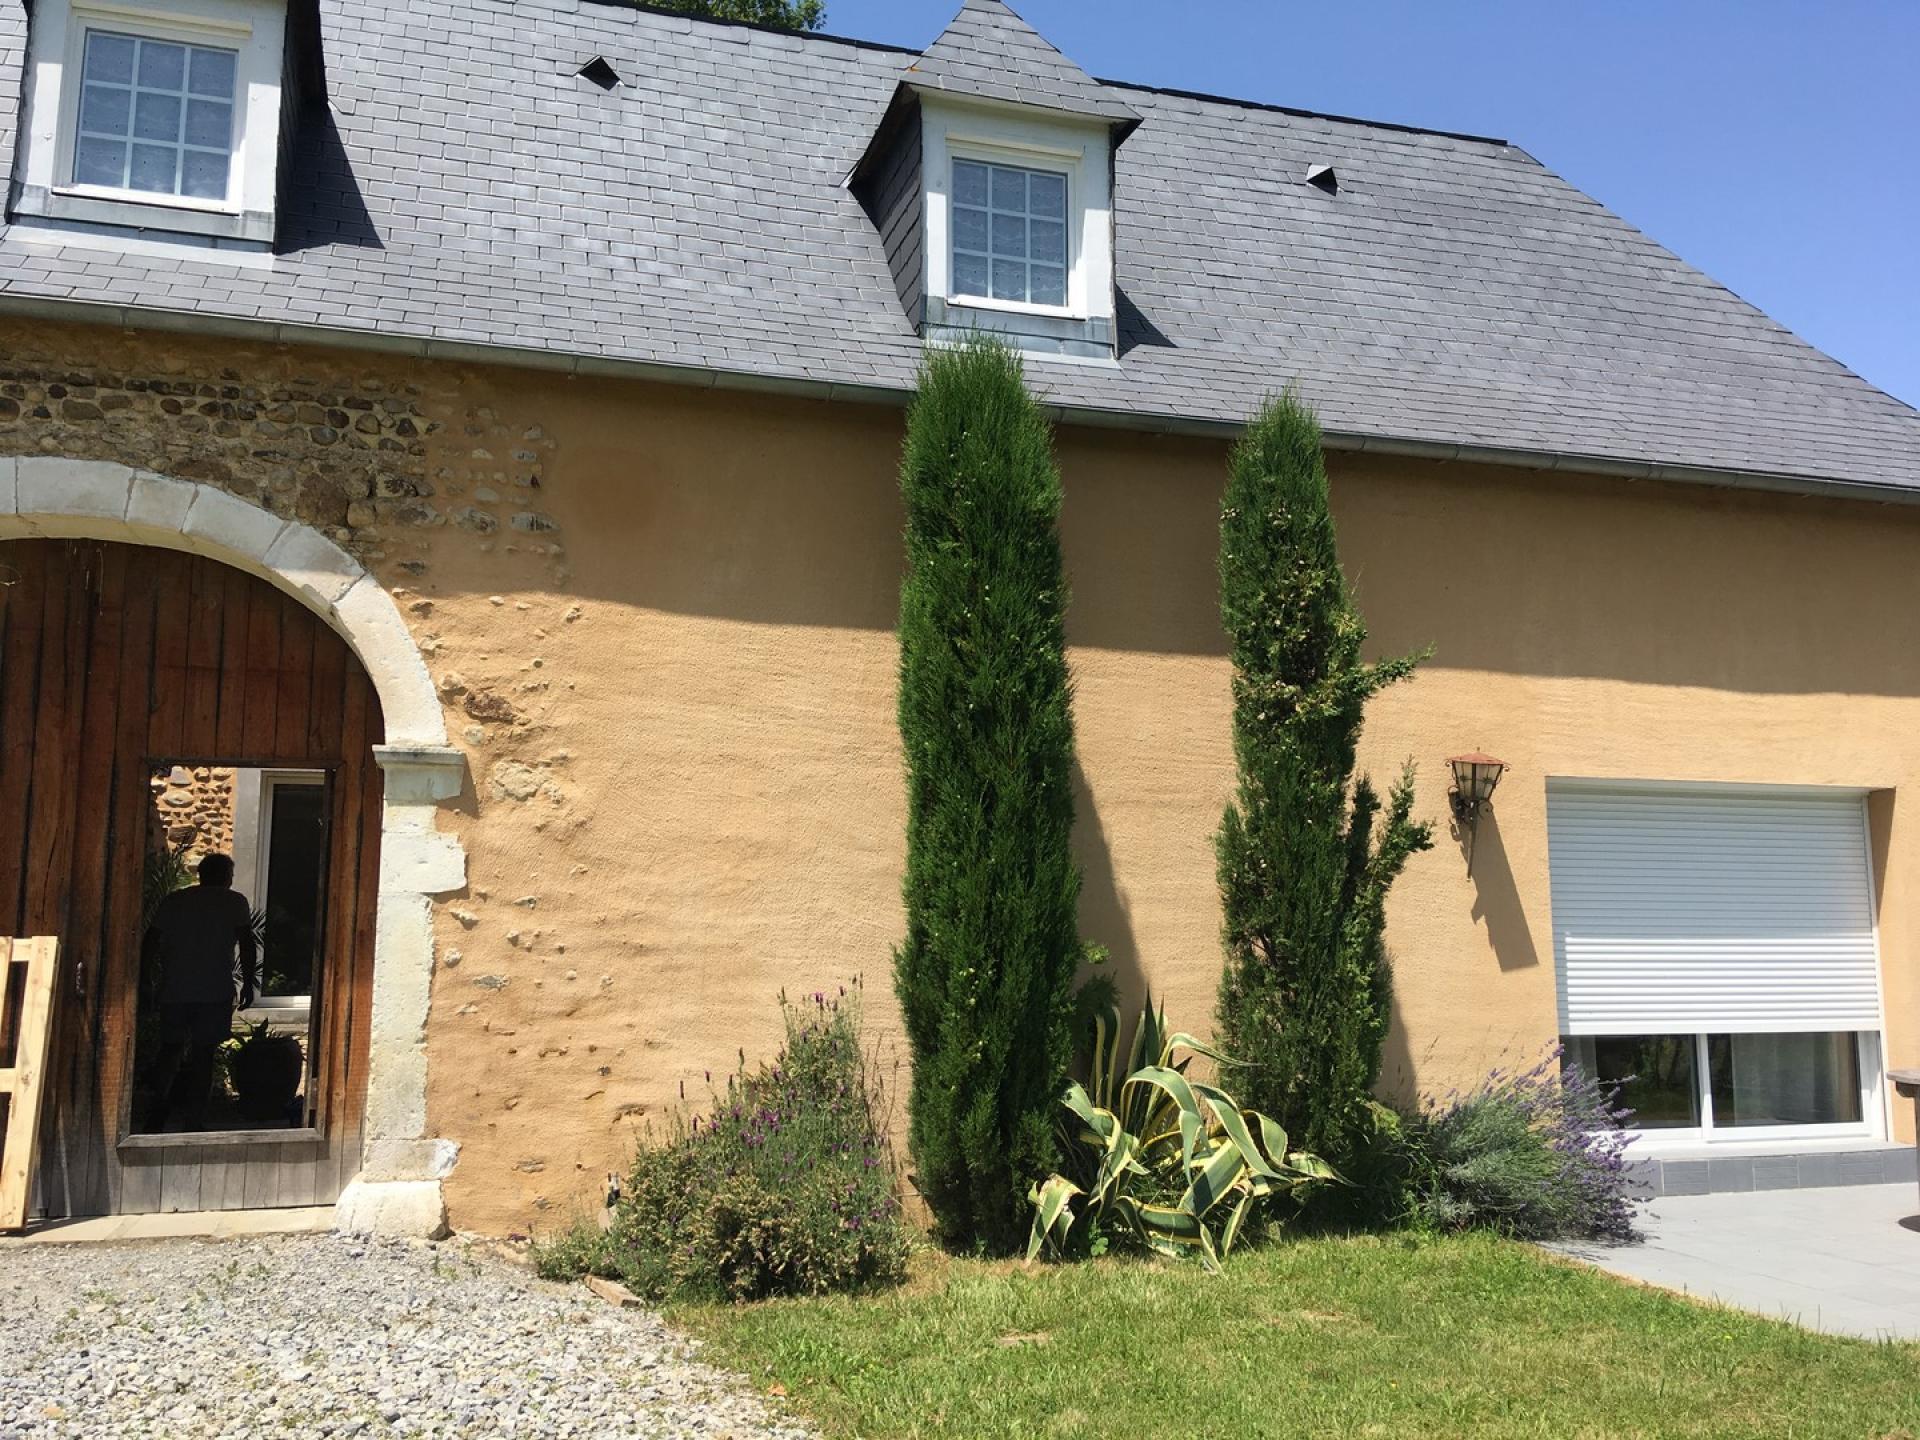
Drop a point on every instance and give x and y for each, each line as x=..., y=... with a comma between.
x=759, y=382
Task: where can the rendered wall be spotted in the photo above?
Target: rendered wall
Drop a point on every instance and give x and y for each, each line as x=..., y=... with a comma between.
x=661, y=624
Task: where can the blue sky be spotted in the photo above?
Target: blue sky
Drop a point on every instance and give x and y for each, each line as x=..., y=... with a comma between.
x=1774, y=144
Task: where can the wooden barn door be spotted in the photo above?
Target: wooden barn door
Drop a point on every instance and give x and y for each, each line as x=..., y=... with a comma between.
x=112, y=658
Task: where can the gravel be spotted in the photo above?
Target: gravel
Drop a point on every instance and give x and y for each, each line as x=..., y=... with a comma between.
x=325, y=1335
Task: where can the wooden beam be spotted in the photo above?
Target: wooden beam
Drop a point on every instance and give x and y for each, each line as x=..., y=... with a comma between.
x=24, y=1084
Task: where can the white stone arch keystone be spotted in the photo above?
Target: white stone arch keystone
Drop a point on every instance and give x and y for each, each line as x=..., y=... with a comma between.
x=398, y=1190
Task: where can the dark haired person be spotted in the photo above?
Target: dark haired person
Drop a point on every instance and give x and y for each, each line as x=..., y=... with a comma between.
x=194, y=937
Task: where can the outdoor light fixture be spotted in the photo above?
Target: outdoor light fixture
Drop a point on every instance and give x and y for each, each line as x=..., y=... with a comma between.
x=1474, y=779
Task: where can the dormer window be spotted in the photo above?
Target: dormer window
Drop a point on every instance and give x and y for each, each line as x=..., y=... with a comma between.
x=990, y=184
x=154, y=118
x=1009, y=234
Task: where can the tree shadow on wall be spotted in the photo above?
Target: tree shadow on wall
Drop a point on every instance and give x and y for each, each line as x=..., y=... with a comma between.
x=1105, y=916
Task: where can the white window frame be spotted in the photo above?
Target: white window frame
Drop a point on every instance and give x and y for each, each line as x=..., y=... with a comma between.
x=1872, y=1124
x=1080, y=151
x=977, y=154
x=253, y=29
x=87, y=22
x=1876, y=1096
x=253, y=812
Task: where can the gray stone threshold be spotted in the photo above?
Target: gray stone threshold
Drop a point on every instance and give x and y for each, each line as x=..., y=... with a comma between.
x=1785, y=1169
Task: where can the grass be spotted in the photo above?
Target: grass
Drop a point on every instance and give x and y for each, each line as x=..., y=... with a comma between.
x=1467, y=1336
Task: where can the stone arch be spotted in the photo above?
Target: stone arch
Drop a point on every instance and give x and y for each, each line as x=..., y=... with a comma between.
x=57, y=498
x=100, y=500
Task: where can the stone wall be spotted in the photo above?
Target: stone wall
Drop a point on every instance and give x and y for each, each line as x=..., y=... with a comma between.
x=193, y=809
x=365, y=451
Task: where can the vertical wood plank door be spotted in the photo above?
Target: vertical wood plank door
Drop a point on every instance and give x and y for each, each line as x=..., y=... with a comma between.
x=114, y=658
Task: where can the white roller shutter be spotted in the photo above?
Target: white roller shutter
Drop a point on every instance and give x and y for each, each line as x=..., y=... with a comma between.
x=1723, y=909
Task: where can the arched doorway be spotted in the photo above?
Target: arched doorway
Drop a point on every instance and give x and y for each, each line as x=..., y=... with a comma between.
x=402, y=1164
x=121, y=665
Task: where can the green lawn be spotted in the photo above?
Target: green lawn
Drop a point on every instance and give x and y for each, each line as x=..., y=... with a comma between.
x=1323, y=1337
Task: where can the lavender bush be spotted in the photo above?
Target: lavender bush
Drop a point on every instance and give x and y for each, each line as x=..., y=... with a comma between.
x=1538, y=1154
x=785, y=1187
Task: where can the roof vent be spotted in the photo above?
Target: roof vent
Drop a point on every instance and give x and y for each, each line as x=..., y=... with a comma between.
x=1322, y=177
x=599, y=71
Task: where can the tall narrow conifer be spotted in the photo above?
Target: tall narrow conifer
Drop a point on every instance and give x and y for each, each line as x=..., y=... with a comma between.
x=984, y=976
x=1306, y=855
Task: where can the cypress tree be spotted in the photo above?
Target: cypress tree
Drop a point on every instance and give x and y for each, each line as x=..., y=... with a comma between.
x=1306, y=854
x=985, y=974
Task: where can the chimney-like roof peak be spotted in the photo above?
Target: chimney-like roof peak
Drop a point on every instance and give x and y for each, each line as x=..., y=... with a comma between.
x=990, y=53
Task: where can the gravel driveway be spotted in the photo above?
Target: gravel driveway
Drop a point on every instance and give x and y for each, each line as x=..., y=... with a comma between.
x=323, y=1335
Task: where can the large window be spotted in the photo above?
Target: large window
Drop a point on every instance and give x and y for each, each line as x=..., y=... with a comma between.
x=1009, y=233
x=1736, y=1084
x=155, y=116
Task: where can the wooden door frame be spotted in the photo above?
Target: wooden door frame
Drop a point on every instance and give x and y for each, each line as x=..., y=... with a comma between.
x=318, y=1126
x=57, y=497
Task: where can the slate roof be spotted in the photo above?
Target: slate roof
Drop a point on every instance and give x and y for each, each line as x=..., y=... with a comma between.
x=472, y=190
x=990, y=52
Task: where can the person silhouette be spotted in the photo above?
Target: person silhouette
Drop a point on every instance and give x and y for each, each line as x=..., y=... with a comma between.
x=193, y=938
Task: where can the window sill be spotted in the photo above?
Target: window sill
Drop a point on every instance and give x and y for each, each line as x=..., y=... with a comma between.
x=187, y=1139
x=1690, y=1146
x=1014, y=307
x=1026, y=330
x=254, y=226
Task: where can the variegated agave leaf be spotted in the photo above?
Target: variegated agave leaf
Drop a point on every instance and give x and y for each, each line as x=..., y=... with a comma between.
x=1167, y=1134
x=1052, y=1202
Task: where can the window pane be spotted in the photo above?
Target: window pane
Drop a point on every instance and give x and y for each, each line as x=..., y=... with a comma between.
x=162, y=66
x=969, y=274
x=105, y=110
x=153, y=168
x=1049, y=195
x=1009, y=280
x=212, y=73
x=969, y=183
x=1009, y=188
x=110, y=57
x=991, y=214
x=1049, y=241
x=156, y=117
x=203, y=174
x=1655, y=1074
x=970, y=228
x=1785, y=1079
x=210, y=123
x=100, y=162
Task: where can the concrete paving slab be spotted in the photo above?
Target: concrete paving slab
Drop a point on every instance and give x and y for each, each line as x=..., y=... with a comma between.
x=1845, y=1261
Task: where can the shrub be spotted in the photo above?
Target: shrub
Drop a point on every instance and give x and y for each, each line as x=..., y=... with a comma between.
x=1168, y=1163
x=986, y=970
x=785, y=1187
x=780, y=14
x=1539, y=1155
x=1306, y=855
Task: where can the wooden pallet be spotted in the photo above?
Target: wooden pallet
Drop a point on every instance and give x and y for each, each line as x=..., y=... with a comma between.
x=23, y=1072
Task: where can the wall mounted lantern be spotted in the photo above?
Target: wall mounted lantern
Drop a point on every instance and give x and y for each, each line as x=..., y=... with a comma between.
x=1474, y=779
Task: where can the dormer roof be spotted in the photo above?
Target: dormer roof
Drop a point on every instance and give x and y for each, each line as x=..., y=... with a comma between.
x=990, y=53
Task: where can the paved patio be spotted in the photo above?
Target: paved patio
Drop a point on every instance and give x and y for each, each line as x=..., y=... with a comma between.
x=1846, y=1260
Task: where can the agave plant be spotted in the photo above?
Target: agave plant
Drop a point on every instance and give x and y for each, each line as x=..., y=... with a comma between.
x=1173, y=1162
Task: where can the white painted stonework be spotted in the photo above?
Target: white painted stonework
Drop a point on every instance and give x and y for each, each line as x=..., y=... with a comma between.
x=398, y=1189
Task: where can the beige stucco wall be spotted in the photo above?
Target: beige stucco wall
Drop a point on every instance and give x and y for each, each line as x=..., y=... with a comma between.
x=660, y=620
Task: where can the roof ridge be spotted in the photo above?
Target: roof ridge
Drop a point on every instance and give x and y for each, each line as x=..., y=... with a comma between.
x=1143, y=87
x=1239, y=103
x=852, y=42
